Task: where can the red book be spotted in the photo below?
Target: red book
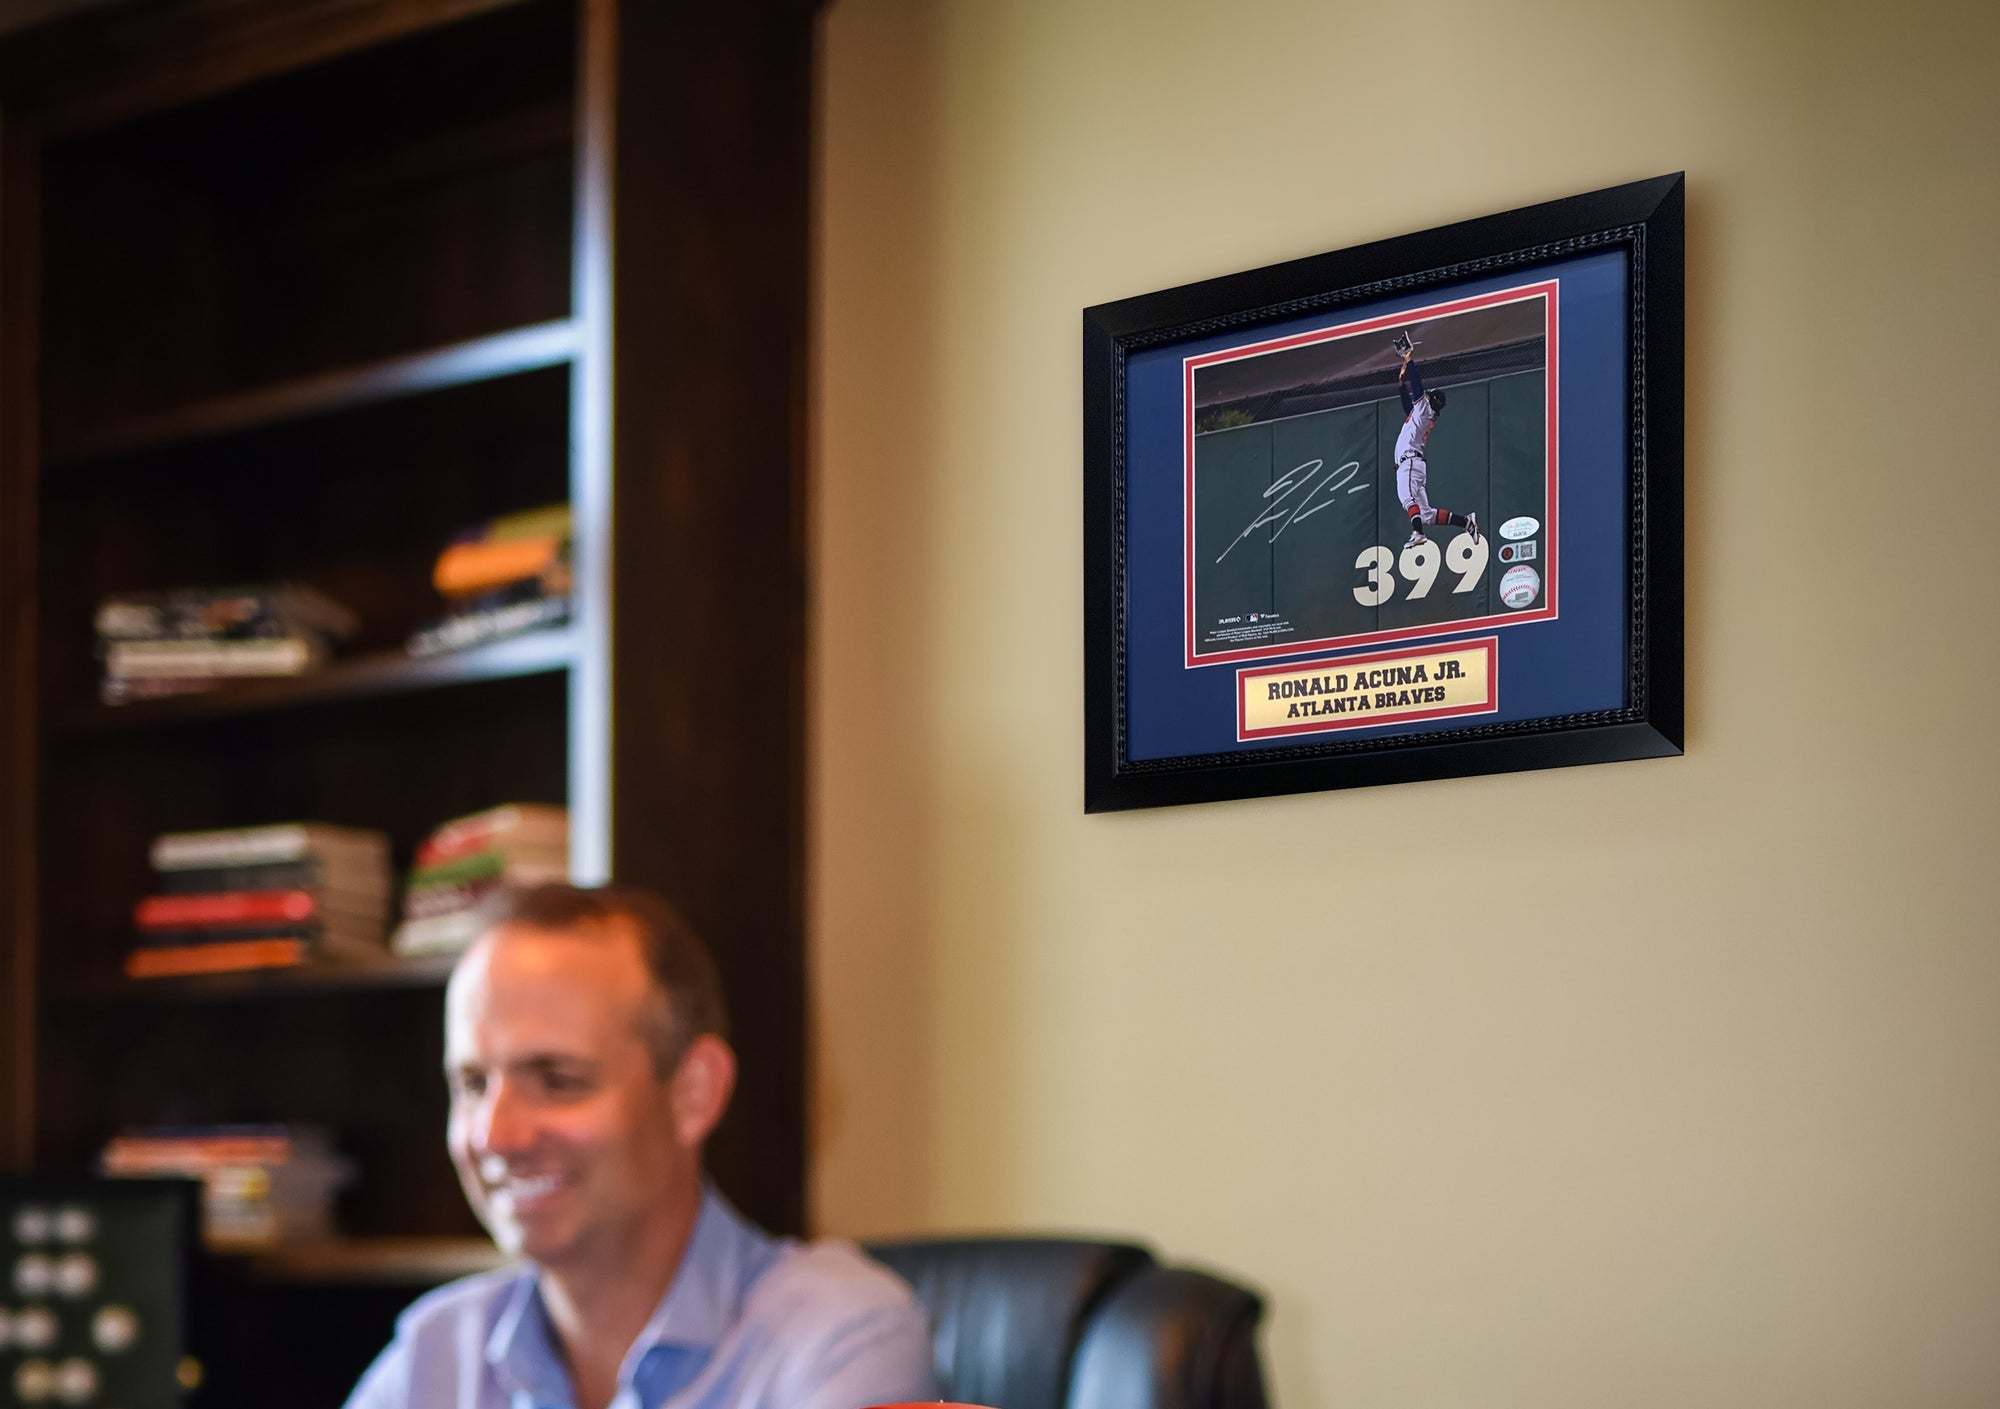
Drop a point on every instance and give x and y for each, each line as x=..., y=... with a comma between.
x=223, y=908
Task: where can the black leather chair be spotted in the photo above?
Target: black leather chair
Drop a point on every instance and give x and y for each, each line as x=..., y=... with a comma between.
x=1050, y=1323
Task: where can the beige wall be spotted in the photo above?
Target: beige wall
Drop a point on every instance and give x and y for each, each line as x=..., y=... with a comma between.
x=1664, y=1083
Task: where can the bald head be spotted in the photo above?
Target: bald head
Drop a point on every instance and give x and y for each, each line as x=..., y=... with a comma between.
x=683, y=993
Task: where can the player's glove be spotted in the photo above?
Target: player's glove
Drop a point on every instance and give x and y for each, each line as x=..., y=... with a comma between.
x=1404, y=347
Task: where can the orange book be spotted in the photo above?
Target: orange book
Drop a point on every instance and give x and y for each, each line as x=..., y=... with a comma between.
x=466, y=569
x=226, y=957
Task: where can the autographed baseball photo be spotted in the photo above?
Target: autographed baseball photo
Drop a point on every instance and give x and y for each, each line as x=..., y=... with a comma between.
x=1413, y=518
x=1300, y=448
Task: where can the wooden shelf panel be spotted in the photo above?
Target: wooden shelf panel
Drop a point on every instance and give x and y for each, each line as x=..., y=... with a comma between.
x=535, y=653
x=425, y=971
x=461, y=364
x=376, y=1261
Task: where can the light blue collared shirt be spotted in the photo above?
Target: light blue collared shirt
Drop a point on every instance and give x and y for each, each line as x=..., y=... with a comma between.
x=750, y=1322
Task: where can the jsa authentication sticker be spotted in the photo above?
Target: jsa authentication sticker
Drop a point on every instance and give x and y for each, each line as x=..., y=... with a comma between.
x=1359, y=692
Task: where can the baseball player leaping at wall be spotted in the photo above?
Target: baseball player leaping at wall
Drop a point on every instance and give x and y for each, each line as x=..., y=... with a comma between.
x=1420, y=413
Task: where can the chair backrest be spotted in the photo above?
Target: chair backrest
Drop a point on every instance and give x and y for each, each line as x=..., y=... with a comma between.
x=1007, y=1313
x=1052, y=1323
x=1171, y=1338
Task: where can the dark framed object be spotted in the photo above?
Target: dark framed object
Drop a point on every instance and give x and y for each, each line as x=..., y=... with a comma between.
x=1262, y=612
x=98, y=1280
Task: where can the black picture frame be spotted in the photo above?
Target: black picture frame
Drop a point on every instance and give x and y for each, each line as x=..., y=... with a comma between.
x=1623, y=637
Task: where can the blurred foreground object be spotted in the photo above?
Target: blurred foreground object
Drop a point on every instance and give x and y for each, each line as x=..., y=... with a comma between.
x=94, y=1278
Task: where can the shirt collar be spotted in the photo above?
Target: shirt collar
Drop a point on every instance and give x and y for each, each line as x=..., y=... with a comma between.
x=725, y=1256
x=701, y=1303
x=521, y=1348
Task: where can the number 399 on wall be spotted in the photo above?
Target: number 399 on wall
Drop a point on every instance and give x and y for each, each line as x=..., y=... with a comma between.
x=1419, y=564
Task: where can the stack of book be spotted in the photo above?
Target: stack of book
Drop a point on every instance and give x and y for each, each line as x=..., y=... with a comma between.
x=261, y=1184
x=262, y=897
x=466, y=862
x=196, y=638
x=502, y=578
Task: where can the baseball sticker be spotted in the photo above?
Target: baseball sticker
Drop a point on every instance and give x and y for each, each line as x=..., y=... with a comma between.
x=1519, y=586
x=35, y=1328
x=76, y=1381
x=34, y=1275
x=76, y=1274
x=1518, y=528
x=114, y=1329
x=34, y=1381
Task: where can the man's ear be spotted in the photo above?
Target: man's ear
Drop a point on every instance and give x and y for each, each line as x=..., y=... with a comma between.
x=702, y=1086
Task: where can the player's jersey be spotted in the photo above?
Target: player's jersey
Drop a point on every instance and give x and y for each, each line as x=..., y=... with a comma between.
x=1416, y=429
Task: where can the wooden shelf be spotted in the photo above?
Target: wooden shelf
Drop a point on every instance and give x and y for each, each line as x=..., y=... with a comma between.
x=425, y=971
x=417, y=1262
x=434, y=314
x=536, y=653
x=461, y=364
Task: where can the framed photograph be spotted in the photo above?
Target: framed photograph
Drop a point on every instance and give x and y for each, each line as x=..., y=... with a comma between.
x=1408, y=510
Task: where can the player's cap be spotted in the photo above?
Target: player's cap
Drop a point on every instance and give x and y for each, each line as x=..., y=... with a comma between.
x=1437, y=400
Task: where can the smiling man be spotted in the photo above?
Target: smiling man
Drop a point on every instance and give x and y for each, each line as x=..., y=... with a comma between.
x=587, y=1053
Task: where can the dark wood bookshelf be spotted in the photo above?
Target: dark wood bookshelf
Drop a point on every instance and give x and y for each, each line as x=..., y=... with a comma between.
x=415, y=1262
x=363, y=677
x=298, y=293
x=353, y=976
x=462, y=364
